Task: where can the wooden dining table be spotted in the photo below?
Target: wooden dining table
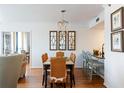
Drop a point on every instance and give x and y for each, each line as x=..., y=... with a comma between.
x=69, y=65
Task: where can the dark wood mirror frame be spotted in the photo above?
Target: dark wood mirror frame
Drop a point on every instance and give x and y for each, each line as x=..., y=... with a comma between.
x=71, y=40
x=62, y=40
x=51, y=38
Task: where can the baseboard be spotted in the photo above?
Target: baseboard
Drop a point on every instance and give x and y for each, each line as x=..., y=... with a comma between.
x=78, y=66
x=106, y=85
x=35, y=67
x=41, y=67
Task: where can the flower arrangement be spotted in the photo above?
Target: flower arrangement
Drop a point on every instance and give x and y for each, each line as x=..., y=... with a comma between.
x=96, y=52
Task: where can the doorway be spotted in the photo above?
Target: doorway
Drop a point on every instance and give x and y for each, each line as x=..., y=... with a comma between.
x=15, y=42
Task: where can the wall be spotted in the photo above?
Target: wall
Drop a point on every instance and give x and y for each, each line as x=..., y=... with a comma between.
x=86, y=40
x=93, y=22
x=114, y=61
x=1, y=41
x=94, y=37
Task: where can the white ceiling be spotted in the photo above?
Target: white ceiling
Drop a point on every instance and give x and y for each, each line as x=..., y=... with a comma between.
x=49, y=12
x=99, y=26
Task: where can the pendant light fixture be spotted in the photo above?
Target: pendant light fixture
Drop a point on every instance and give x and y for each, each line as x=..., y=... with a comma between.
x=62, y=24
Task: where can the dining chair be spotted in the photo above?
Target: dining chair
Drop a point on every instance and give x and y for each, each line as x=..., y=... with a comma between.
x=60, y=54
x=58, y=71
x=72, y=58
x=44, y=58
x=91, y=65
x=26, y=55
x=92, y=68
x=23, y=51
x=84, y=59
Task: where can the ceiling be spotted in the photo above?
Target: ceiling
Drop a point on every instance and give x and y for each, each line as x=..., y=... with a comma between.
x=48, y=12
x=99, y=26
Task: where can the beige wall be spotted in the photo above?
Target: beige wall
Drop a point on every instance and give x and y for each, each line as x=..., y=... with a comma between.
x=92, y=38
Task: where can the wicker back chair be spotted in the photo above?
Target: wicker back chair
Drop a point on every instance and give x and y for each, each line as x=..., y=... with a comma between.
x=73, y=59
x=59, y=54
x=58, y=71
x=44, y=58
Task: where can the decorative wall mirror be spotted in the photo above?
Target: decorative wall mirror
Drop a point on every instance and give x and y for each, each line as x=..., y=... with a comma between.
x=62, y=40
x=53, y=40
x=71, y=40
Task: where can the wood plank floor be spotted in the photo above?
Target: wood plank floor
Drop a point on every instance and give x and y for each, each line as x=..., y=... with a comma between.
x=33, y=79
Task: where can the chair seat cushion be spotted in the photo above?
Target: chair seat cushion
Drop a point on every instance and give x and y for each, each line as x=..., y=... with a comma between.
x=68, y=70
x=57, y=80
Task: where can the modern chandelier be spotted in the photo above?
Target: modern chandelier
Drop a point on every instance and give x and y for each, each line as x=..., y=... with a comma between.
x=62, y=24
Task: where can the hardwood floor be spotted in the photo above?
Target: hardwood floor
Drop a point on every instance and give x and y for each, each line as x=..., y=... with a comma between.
x=33, y=79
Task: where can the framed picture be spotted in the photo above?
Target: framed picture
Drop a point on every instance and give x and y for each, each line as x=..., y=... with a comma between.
x=53, y=40
x=117, y=41
x=71, y=40
x=62, y=40
x=117, y=19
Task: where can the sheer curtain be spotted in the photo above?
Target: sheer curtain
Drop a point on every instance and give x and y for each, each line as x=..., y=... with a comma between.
x=20, y=42
x=23, y=41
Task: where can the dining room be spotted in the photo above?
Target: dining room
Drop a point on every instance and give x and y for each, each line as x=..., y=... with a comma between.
x=74, y=40
x=91, y=57
x=66, y=30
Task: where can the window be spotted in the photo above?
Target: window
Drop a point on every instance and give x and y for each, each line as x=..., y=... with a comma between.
x=11, y=42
